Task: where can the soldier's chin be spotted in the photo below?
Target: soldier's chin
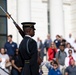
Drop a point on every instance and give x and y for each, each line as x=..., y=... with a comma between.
x=32, y=35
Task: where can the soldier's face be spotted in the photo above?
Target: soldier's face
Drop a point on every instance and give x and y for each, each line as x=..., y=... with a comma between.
x=32, y=32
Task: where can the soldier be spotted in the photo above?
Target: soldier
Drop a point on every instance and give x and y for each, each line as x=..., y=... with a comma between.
x=28, y=50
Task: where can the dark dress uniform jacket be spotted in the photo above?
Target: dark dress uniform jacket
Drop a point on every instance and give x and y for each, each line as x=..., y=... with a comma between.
x=29, y=54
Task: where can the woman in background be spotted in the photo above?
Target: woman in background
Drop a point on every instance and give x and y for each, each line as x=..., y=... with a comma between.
x=4, y=58
x=16, y=64
x=52, y=51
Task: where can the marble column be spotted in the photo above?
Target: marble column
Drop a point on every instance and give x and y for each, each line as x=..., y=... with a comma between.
x=23, y=13
x=56, y=18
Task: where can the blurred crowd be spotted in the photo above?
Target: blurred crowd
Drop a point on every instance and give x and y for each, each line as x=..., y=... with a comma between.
x=60, y=56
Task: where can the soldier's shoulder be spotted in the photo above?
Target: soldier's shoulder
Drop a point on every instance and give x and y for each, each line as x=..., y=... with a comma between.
x=32, y=40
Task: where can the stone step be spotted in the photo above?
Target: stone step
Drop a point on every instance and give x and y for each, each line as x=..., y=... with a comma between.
x=45, y=70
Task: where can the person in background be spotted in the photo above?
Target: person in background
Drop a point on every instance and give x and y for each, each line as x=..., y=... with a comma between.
x=62, y=40
x=70, y=39
x=71, y=69
x=47, y=42
x=16, y=64
x=4, y=58
x=40, y=47
x=57, y=41
x=60, y=57
x=74, y=48
x=55, y=70
x=10, y=47
x=74, y=45
x=68, y=58
x=52, y=50
x=49, y=64
x=68, y=46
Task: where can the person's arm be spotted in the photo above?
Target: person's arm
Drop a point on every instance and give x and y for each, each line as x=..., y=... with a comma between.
x=7, y=58
x=56, y=56
x=48, y=65
x=13, y=64
x=18, y=68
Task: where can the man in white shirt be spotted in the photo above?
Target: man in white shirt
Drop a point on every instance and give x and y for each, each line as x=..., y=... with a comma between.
x=70, y=39
x=68, y=58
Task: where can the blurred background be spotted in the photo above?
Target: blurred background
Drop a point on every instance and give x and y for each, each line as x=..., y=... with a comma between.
x=51, y=16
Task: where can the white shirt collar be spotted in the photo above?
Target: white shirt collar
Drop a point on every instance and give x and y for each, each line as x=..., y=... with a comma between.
x=28, y=36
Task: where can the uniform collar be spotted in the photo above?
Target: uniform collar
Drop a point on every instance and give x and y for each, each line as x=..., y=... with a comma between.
x=28, y=36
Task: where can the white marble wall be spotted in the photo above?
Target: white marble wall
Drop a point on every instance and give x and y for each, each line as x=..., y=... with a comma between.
x=39, y=15
x=12, y=9
x=67, y=19
x=37, y=12
x=73, y=13
x=56, y=18
x=20, y=12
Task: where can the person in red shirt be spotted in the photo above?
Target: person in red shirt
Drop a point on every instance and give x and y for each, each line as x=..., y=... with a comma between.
x=52, y=51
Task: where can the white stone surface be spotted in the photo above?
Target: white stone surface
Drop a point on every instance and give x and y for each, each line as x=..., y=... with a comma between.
x=56, y=18
x=61, y=20
x=73, y=14
x=24, y=11
x=67, y=19
x=39, y=15
x=12, y=9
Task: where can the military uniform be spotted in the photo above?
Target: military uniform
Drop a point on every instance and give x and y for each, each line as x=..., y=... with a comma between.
x=28, y=53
